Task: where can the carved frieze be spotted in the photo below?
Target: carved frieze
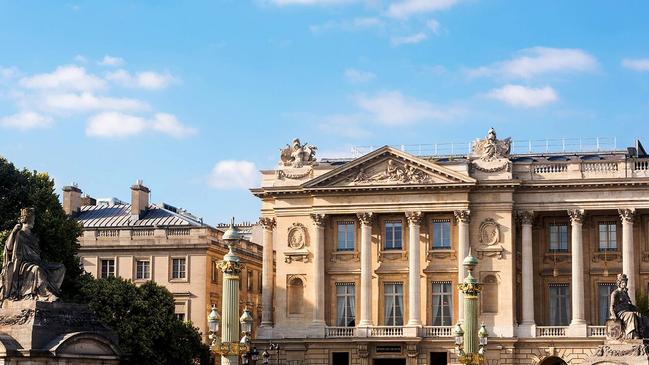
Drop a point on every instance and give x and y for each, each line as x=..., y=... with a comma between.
x=491, y=154
x=296, y=174
x=394, y=172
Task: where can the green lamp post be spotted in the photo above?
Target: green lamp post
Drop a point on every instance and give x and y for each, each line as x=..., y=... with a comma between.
x=229, y=346
x=470, y=343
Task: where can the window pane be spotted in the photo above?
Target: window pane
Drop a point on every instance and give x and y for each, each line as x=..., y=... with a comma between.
x=442, y=304
x=604, y=301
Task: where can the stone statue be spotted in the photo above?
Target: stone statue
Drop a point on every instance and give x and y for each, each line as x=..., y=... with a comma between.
x=634, y=324
x=491, y=148
x=24, y=274
x=297, y=154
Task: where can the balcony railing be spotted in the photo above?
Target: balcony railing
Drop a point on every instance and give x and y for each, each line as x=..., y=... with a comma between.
x=447, y=331
x=551, y=331
x=438, y=331
x=337, y=332
x=596, y=331
x=386, y=331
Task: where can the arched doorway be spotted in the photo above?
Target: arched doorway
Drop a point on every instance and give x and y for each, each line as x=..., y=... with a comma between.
x=552, y=360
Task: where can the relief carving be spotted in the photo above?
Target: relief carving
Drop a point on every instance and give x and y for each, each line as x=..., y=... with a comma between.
x=297, y=236
x=268, y=223
x=463, y=216
x=394, y=172
x=298, y=155
x=366, y=218
x=415, y=218
x=489, y=232
x=491, y=154
x=320, y=220
x=576, y=216
x=626, y=215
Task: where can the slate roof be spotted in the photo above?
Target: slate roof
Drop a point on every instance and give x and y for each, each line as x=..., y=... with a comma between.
x=119, y=215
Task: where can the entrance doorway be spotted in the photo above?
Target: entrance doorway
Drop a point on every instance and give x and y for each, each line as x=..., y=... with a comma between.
x=553, y=360
x=389, y=361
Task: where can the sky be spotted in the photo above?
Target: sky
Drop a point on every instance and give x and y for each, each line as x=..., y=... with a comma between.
x=196, y=97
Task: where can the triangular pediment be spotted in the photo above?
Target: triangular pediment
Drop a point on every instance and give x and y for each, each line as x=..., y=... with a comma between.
x=388, y=166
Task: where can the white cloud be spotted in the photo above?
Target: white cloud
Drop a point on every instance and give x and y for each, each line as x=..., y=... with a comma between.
x=434, y=26
x=120, y=125
x=115, y=125
x=111, y=61
x=80, y=58
x=145, y=80
x=25, y=120
x=358, y=76
x=529, y=97
x=406, y=8
x=168, y=124
x=392, y=108
x=87, y=101
x=538, y=61
x=64, y=78
x=409, y=39
x=360, y=23
x=8, y=72
x=638, y=64
x=233, y=174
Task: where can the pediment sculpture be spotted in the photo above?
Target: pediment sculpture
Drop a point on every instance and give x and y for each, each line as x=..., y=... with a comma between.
x=25, y=276
x=394, y=172
x=298, y=155
x=491, y=154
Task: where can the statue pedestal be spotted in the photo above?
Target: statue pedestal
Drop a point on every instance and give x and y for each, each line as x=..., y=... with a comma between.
x=39, y=331
x=627, y=352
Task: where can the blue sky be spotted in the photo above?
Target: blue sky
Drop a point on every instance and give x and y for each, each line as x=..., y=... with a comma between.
x=104, y=93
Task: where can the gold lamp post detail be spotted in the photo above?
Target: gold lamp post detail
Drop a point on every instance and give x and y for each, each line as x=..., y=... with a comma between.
x=229, y=346
x=471, y=342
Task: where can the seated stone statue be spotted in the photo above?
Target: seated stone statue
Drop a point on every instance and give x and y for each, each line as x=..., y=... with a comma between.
x=634, y=324
x=24, y=274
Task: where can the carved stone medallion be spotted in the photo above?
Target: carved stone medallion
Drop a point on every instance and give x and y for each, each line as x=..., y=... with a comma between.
x=297, y=236
x=489, y=232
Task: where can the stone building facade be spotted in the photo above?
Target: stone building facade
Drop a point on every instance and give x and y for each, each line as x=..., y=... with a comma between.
x=141, y=241
x=369, y=251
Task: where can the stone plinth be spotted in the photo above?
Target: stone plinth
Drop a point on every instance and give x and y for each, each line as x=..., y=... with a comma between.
x=32, y=332
x=627, y=352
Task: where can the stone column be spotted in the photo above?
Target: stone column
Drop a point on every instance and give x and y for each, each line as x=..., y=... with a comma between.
x=366, y=220
x=267, y=287
x=319, y=220
x=230, y=266
x=414, y=270
x=527, y=327
x=578, y=324
x=628, y=254
x=463, y=218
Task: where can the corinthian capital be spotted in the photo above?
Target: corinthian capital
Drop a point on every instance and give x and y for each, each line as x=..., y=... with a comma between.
x=626, y=215
x=366, y=218
x=576, y=215
x=463, y=216
x=319, y=219
x=526, y=216
x=415, y=217
x=267, y=223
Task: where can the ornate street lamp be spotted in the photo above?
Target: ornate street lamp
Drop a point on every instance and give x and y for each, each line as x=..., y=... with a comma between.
x=230, y=347
x=471, y=344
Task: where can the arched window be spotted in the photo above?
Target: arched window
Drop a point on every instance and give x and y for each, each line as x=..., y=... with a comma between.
x=490, y=294
x=295, y=296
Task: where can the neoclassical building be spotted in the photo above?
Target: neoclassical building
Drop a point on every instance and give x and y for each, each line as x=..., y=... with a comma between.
x=141, y=241
x=369, y=251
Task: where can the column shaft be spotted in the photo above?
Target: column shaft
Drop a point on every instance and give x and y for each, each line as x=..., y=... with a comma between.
x=578, y=317
x=463, y=220
x=267, y=272
x=414, y=269
x=527, y=268
x=230, y=316
x=628, y=254
x=319, y=221
x=366, y=269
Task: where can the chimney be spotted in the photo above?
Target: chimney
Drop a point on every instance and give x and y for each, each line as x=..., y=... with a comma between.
x=139, y=200
x=71, y=199
x=88, y=200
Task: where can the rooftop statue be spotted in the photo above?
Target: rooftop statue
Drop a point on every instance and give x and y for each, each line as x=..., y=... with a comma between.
x=491, y=148
x=634, y=324
x=297, y=154
x=24, y=274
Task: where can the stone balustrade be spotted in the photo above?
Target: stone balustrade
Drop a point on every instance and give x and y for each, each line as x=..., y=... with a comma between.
x=578, y=169
x=337, y=332
x=437, y=331
x=596, y=331
x=386, y=331
x=551, y=331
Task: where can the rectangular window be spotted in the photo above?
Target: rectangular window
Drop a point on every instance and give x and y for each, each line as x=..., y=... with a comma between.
x=340, y=358
x=345, y=305
x=346, y=236
x=107, y=268
x=559, y=304
x=608, y=236
x=441, y=235
x=180, y=316
x=604, y=301
x=249, y=281
x=178, y=268
x=259, y=282
x=215, y=272
x=558, y=238
x=393, y=304
x=142, y=269
x=393, y=235
x=442, y=303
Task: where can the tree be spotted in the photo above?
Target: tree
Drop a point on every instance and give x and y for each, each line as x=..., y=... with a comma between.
x=56, y=230
x=144, y=320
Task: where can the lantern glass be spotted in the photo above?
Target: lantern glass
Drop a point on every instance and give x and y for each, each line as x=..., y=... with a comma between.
x=483, y=341
x=246, y=321
x=459, y=340
x=244, y=358
x=213, y=320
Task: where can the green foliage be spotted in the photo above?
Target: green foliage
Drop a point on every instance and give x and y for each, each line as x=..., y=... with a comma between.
x=144, y=320
x=57, y=231
x=642, y=302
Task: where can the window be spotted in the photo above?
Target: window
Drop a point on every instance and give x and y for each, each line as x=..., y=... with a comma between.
x=345, y=305
x=393, y=235
x=558, y=238
x=393, y=311
x=340, y=358
x=441, y=235
x=608, y=236
x=259, y=282
x=346, y=236
x=142, y=269
x=107, y=268
x=604, y=301
x=295, y=296
x=559, y=305
x=442, y=303
x=215, y=272
x=489, y=294
x=249, y=281
x=438, y=358
x=178, y=268
x=180, y=316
